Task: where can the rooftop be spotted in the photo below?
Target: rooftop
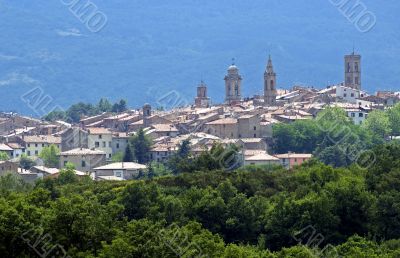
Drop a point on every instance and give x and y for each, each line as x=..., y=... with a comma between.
x=122, y=166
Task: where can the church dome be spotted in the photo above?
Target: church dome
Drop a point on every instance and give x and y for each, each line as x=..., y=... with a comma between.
x=233, y=68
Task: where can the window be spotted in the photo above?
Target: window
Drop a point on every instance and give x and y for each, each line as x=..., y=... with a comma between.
x=96, y=144
x=36, y=145
x=356, y=66
x=36, y=152
x=100, y=136
x=353, y=115
x=117, y=146
x=348, y=80
x=360, y=115
x=29, y=153
x=104, y=144
x=29, y=145
x=356, y=80
x=348, y=67
x=109, y=155
x=255, y=128
x=83, y=163
x=255, y=135
x=345, y=95
x=352, y=95
x=118, y=173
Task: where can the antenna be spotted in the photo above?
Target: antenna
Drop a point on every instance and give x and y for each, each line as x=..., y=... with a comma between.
x=233, y=61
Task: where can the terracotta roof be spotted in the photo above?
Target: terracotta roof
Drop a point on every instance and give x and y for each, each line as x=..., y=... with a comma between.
x=223, y=121
x=121, y=165
x=164, y=128
x=42, y=139
x=98, y=130
x=4, y=147
x=81, y=151
x=14, y=145
x=294, y=155
x=262, y=157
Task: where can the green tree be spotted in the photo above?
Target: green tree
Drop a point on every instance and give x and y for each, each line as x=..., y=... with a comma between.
x=104, y=105
x=25, y=162
x=128, y=155
x=68, y=175
x=394, y=118
x=118, y=157
x=50, y=156
x=141, y=145
x=378, y=123
x=4, y=156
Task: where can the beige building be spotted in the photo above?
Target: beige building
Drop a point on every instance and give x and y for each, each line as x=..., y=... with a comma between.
x=122, y=170
x=262, y=159
x=84, y=159
x=246, y=126
x=8, y=167
x=35, y=144
x=270, y=92
x=100, y=139
x=233, y=85
x=352, y=72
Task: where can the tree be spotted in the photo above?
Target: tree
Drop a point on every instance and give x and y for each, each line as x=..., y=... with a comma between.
x=25, y=162
x=50, y=156
x=141, y=145
x=128, y=155
x=378, y=123
x=4, y=156
x=184, y=149
x=67, y=175
x=104, y=105
x=394, y=118
x=118, y=157
x=120, y=106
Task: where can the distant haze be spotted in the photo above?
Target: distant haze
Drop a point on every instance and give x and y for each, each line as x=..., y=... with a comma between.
x=148, y=48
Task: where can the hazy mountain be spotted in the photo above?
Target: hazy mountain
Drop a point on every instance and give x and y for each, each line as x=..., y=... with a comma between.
x=151, y=47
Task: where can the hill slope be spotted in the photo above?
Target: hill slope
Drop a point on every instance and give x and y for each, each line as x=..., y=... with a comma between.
x=151, y=47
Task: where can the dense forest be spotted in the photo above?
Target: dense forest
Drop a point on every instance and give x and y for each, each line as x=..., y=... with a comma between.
x=313, y=210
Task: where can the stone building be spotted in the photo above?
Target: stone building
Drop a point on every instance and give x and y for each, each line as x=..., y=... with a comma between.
x=270, y=91
x=84, y=159
x=233, y=84
x=202, y=101
x=353, y=71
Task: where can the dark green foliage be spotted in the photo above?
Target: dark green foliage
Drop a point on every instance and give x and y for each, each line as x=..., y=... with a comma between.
x=313, y=211
x=141, y=145
x=128, y=155
x=25, y=162
x=75, y=112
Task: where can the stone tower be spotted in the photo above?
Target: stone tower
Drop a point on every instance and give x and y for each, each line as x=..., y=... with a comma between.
x=202, y=100
x=352, y=71
x=233, y=83
x=270, y=92
x=146, y=114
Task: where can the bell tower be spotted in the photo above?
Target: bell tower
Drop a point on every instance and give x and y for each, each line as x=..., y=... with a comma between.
x=352, y=71
x=233, y=84
x=270, y=91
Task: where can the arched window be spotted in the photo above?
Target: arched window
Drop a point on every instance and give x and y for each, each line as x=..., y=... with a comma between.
x=272, y=85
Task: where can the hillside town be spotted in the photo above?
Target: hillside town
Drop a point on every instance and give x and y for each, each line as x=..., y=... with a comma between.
x=246, y=122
